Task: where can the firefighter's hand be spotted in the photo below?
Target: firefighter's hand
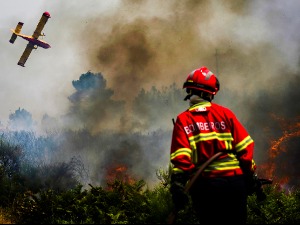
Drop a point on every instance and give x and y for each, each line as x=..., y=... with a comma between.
x=179, y=196
x=254, y=186
x=252, y=183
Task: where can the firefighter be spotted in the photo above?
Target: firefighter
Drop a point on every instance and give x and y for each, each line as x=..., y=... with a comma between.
x=219, y=195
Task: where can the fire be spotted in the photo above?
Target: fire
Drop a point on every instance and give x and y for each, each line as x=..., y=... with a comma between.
x=280, y=153
x=119, y=173
x=275, y=147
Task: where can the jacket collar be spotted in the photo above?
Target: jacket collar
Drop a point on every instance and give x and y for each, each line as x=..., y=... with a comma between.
x=200, y=107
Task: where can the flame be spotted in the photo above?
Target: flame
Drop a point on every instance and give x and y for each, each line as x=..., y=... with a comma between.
x=275, y=146
x=119, y=173
x=290, y=129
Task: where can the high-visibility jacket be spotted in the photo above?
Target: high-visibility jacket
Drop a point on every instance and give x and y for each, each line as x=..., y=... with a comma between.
x=205, y=129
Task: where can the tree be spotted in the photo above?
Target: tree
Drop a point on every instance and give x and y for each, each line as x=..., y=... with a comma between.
x=21, y=119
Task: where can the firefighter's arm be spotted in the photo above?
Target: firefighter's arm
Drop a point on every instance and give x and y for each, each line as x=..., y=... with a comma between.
x=180, y=157
x=177, y=189
x=245, y=156
x=181, y=153
x=244, y=146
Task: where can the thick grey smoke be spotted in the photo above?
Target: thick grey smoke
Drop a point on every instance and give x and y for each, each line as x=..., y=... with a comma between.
x=251, y=45
x=148, y=43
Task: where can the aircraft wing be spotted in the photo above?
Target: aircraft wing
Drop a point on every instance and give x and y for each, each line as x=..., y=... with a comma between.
x=38, y=30
x=25, y=54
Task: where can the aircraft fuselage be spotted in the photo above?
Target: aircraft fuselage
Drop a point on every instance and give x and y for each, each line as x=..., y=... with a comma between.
x=34, y=41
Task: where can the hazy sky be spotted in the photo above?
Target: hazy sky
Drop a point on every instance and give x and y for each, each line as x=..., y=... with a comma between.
x=255, y=41
x=45, y=82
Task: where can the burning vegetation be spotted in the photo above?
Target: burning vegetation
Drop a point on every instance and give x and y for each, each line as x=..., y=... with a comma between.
x=283, y=154
x=119, y=173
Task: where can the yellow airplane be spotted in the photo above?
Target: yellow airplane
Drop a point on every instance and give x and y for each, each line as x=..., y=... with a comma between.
x=33, y=41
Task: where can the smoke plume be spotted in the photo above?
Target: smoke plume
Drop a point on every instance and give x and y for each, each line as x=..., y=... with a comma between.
x=252, y=46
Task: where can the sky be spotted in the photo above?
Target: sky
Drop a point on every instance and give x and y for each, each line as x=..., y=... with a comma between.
x=177, y=37
x=45, y=82
x=251, y=45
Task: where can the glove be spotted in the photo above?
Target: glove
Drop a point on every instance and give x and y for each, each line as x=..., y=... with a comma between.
x=252, y=183
x=179, y=196
x=255, y=186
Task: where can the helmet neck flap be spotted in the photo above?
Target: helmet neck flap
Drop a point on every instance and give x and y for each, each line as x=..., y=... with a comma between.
x=203, y=95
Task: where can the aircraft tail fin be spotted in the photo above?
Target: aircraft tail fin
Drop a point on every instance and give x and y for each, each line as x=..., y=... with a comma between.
x=16, y=32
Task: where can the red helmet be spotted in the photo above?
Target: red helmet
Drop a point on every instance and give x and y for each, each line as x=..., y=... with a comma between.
x=202, y=79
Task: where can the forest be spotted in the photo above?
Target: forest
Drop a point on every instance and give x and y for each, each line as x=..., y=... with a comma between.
x=106, y=162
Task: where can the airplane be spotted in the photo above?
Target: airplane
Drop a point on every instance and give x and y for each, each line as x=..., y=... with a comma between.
x=33, y=41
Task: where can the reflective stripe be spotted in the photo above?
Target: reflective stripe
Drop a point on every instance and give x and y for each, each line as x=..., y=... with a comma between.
x=226, y=137
x=182, y=151
x=177, y=170
x=228, y=145
x=202, y=104
x=211, y=136
x=244, y=143
x=228, y=163
x=253, y=165
x=208, y=75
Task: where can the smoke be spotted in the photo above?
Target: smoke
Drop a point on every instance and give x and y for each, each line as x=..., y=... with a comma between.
x=136, y=47
x=140, y=48
x=251, y=45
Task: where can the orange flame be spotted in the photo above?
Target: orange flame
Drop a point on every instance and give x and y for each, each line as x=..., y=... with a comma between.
x=290, y=129
x=118, y=173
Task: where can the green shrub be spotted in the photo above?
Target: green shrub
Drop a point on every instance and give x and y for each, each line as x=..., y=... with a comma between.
x=280, y=207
